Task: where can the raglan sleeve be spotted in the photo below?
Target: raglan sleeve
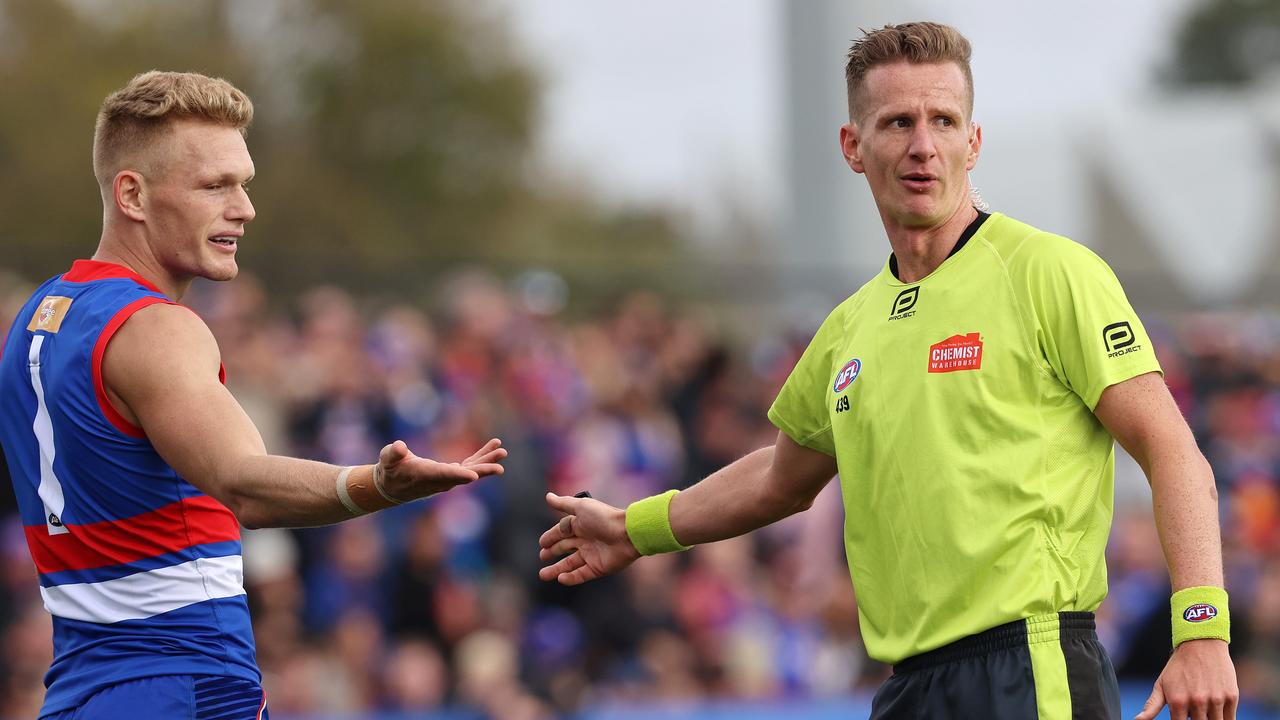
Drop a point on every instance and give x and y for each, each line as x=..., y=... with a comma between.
x=1086, y=328
x=800, y=409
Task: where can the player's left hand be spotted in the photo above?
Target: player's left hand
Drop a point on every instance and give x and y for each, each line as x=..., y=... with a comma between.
x=1198, y=682
x=406, y=476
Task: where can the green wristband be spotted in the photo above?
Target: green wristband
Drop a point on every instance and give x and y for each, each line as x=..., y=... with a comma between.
x=1199, y=613
x=649, y=525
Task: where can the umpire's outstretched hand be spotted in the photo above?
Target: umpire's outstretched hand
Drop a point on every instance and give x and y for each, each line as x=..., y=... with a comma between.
x=592, y=534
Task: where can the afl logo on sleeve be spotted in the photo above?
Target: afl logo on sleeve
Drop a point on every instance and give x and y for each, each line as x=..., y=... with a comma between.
x=1200, y=613
x=847, y=375
x=1119, y=339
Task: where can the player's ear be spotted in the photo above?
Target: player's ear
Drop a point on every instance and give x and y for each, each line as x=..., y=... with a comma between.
x=975, y=145
x=127, y=192
x=851, y=147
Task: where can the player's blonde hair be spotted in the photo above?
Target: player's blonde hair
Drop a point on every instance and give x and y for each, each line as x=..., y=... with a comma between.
x=134, y=117
x=915, y=42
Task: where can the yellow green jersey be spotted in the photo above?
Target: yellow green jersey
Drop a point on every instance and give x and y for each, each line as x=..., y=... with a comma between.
x=977, y=482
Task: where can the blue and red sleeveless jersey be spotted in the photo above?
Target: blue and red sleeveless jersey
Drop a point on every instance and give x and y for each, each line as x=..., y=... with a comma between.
x=140, y=570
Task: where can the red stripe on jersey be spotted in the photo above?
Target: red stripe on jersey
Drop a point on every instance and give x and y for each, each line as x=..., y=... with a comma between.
x=176, y=526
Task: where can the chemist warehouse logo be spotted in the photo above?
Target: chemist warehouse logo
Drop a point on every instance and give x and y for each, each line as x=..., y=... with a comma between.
x=958, y=352
x=1119, y=339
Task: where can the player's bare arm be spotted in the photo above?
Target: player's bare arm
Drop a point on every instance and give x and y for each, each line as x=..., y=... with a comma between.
x=161, y=373
x=1199, y=679
x=759, y=489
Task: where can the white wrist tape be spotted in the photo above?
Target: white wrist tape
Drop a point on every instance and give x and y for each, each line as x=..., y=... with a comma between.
x=377, y=485
x=345, y=497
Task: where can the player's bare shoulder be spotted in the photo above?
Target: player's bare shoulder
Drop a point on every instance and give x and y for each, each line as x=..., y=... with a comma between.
x=159, y=349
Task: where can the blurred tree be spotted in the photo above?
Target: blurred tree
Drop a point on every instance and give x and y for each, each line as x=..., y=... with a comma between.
x=392, y=140
x=1227, y=42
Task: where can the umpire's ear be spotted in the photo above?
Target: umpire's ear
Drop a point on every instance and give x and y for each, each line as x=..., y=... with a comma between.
x=851, y=147
x=975, y=145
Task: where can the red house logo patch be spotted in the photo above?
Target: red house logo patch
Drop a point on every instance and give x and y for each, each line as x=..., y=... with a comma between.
x=958, y=352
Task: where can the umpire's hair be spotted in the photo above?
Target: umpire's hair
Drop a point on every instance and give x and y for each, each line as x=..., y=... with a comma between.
x=134, y=117
x=915, y=42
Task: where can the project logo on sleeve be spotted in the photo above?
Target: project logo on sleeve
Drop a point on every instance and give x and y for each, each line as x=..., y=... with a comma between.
x=1201, y=612
x=958, y=352
x=847, y=375
x=1119, y=339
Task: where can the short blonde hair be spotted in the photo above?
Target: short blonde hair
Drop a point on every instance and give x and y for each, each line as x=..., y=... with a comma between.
x=915, y=42
x=137, y=115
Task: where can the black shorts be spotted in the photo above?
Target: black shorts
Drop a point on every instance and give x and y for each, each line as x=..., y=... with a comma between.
x=1049, y=667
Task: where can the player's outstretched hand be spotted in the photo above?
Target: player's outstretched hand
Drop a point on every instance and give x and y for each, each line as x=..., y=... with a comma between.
x=1199, y=681
x=406, y=476
x=592, y=534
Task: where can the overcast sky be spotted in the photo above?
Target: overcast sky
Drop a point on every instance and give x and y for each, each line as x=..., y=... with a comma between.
x=679, y=102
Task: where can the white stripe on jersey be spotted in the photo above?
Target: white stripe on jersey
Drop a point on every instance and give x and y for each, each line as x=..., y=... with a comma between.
x=144, y=594
x=50, y=487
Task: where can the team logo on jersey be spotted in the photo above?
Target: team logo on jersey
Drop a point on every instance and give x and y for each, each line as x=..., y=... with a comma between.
x=847, y=375
x=1119, y=339
x=903, y=304
x=958, y=352
x=1200, y=613
x=50, y=314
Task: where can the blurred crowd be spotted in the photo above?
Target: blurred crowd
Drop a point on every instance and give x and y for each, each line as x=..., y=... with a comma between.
x=437, y=604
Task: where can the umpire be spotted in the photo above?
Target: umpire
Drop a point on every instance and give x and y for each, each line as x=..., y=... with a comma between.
x=969, y=396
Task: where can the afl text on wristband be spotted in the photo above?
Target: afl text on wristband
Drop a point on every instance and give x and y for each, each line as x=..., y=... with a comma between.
x=1199, y=613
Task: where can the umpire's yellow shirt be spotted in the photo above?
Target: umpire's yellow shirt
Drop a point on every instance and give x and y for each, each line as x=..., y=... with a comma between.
x=977, y=482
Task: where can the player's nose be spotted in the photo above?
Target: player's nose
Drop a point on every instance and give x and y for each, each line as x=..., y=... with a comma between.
x=242, y=209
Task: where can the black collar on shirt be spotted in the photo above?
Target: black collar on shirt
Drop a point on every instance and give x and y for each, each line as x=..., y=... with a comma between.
x=964, y=238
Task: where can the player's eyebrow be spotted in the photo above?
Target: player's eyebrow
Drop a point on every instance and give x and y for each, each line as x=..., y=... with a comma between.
x=230, y=178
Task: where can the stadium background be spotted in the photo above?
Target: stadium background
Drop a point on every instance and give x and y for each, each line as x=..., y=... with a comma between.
x=432, y=261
